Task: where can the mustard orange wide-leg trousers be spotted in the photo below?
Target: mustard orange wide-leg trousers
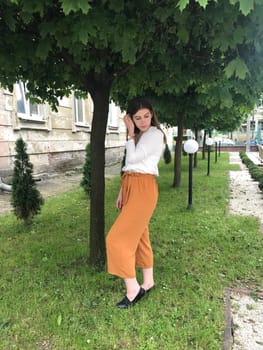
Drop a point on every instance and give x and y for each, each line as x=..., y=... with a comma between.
x=127, y=243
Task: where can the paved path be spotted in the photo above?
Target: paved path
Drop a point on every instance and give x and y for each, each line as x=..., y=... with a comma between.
x=48, y=188
x=52, y=186
x=246, y=313
x=245, y=197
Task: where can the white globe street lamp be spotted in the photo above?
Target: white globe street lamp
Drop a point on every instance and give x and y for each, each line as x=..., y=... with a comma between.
x=190, y=147
x=209, y=141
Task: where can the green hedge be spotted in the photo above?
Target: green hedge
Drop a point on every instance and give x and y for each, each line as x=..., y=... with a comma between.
x=255, y=172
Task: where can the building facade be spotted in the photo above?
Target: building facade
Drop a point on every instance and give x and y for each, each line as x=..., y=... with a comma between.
x=252, y=130
x=55, y=141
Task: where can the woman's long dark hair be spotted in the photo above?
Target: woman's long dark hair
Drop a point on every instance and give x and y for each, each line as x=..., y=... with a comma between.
x=139, y=103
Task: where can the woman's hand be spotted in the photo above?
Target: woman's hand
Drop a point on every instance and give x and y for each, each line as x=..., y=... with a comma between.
x=129, y=125
x=119, y=200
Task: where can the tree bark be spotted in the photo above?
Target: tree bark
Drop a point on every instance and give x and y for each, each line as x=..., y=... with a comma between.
x=97, y=256
x=178, y=151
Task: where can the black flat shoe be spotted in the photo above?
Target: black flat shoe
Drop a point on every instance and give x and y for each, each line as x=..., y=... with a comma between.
x=147, y=291
x=125, y=303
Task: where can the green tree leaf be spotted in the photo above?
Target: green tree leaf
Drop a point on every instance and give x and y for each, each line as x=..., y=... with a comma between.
x=246, y=6
x=203, y=3
x=230, y=69
x=237, y=67
x=74, y=6
x=241, y=69
x=182, y=4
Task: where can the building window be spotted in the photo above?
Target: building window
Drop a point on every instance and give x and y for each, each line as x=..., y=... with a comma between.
x=113, y=116
x=79, y=111
x=25, y=108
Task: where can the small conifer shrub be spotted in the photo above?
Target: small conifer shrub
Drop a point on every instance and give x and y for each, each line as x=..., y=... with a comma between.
x=167, y=155
x=86, y=179
x=26, y=198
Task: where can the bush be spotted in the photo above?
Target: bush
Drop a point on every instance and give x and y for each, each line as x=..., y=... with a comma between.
x=26, y=198
x=255, y=172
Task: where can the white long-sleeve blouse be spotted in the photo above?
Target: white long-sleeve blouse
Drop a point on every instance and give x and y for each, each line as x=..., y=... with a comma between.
x=144, y=157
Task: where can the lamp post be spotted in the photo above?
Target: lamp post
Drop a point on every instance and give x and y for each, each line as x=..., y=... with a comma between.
x=209, y=143
x=190, y=147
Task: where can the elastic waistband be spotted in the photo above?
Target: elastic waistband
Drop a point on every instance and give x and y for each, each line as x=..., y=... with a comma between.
x=133, y=173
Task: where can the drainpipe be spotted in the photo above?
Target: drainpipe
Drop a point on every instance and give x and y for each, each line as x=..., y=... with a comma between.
x=5, y=187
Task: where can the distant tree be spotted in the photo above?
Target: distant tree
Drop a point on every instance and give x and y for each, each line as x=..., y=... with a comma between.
x=86, y=180
x=167, y=155
x=26, y=198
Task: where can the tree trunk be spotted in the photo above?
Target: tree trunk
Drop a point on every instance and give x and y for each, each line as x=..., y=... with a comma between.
x=97, y=255
x=178, y=151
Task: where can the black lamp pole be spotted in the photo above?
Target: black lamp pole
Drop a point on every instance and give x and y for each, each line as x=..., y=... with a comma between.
x=190, y=147
x=208, y=160
x=190, y=181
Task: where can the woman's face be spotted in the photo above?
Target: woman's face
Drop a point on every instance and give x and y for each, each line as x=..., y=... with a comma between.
x=142, y=119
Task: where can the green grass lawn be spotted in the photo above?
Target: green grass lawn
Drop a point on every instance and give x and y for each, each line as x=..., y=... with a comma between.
x=51, y=299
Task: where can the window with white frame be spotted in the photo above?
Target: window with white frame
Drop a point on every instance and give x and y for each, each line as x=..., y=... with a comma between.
x=113, y=115
x=25, y=108
x=79, y=111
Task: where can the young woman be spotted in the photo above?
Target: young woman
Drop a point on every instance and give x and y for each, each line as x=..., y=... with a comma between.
x=128, y=244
